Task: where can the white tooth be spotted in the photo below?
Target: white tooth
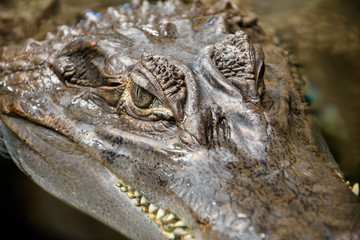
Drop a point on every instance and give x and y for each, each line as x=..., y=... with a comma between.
x=152, y=216
x=339, y=175
x=124, y=189
x=137, y=194
x=144, y=209
x=168, y=227
x=144, y=200
x=130, y=195
x=355, y=189
x=179, y=224
x=180, y=232
x=170, y=217
x=188, y=237
x=160, y=213
x=153, y=208
x=137, y=202
x=169, y=235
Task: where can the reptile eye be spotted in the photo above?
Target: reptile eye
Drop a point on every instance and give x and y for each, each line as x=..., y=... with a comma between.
x=140, y=97
x=141, y=104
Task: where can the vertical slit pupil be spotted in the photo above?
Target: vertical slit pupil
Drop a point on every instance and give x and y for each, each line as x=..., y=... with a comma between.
x=140, y=97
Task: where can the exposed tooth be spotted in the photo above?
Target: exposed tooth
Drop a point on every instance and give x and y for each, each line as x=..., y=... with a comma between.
x=144, y=209
x=169, y=235
x=131, y=195
x=337, y=173
x=168, y=227
x=137, y=202
x=173, y=228
x=180, y=224
x=137, y=194
x=170, y=217
x=160, y=214
x=180, y=232
x=188, y=237
x=153, y=208
x=144, y=200
x=355, y=189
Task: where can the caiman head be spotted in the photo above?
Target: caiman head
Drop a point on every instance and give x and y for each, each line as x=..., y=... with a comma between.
x=166, y=122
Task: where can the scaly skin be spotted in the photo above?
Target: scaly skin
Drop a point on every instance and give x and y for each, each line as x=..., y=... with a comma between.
x=173, y=107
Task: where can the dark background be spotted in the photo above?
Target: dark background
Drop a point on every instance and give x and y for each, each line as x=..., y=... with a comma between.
x=323, y=35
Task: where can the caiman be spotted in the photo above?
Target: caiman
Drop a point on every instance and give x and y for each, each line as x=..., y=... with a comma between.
x=174, y=121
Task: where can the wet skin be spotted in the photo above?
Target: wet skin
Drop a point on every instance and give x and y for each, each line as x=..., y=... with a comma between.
x=196, y=115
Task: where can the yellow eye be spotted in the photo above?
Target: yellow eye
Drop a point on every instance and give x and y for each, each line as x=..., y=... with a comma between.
x=142, y=104
x=140, y=97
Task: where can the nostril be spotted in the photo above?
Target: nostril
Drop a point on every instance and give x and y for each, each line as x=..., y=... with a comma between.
x=215, y=128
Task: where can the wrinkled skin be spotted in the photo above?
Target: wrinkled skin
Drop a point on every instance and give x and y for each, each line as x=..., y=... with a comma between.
x=186, y=107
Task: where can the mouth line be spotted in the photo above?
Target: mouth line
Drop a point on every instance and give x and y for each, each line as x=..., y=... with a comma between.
x=171, y=225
